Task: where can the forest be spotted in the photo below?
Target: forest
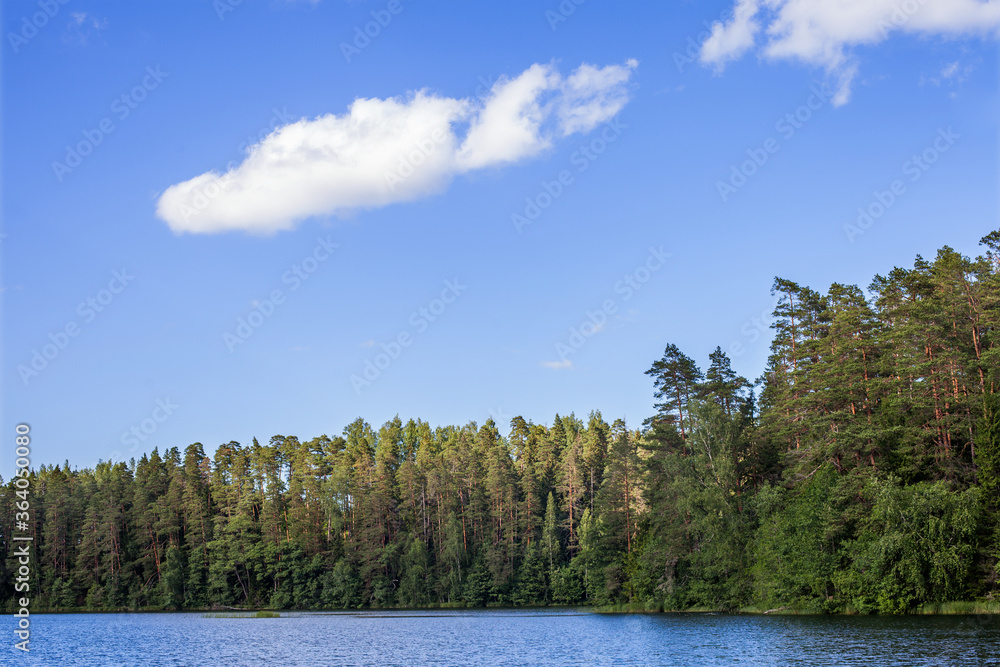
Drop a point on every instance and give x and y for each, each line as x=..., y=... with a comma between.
x=859, y=474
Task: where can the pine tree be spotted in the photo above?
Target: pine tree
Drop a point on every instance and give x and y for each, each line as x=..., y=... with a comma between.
x=675, y=377
x=722, y=384
x=551, y=544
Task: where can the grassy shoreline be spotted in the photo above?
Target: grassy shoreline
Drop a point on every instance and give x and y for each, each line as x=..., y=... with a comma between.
x=929, y=609
x=965, y=607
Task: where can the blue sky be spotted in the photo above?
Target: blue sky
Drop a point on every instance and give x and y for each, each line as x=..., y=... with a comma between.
x=160, y=93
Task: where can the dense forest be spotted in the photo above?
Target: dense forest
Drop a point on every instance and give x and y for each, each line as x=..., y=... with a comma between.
x=860, y=472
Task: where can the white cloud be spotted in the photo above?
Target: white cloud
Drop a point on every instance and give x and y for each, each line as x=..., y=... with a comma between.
x=591, y=96
x=508, y=126
x=394, y=150
x=731, y=40
x=565, y=364
x=823, y=32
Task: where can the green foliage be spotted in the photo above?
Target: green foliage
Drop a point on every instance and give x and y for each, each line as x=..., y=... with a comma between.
x=532, y=582
x=917, y=546
x=343, y=587
x=413, y=589
x=173, y=579
x=568, y=585
x=476, y=591
x=865, y=478
x=796, y=546
x=987, y=457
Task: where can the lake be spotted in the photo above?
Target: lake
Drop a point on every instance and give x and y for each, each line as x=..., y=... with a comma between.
x=507, y=637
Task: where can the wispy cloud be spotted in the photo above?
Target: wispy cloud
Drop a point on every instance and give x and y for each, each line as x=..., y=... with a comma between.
x=563, y=365
x=953, y=74
x=386, y=151
x=83, y=27
x=823, y=32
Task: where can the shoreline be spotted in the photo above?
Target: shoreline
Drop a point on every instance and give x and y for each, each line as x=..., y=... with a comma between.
x=958, y=608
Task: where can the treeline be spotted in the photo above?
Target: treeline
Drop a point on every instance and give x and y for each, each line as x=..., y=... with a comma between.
x=865, y=477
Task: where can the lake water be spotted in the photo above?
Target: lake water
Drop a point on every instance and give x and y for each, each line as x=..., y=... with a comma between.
x=507, y=637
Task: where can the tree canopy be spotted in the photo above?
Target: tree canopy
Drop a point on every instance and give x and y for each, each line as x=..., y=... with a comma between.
x=860, y=472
